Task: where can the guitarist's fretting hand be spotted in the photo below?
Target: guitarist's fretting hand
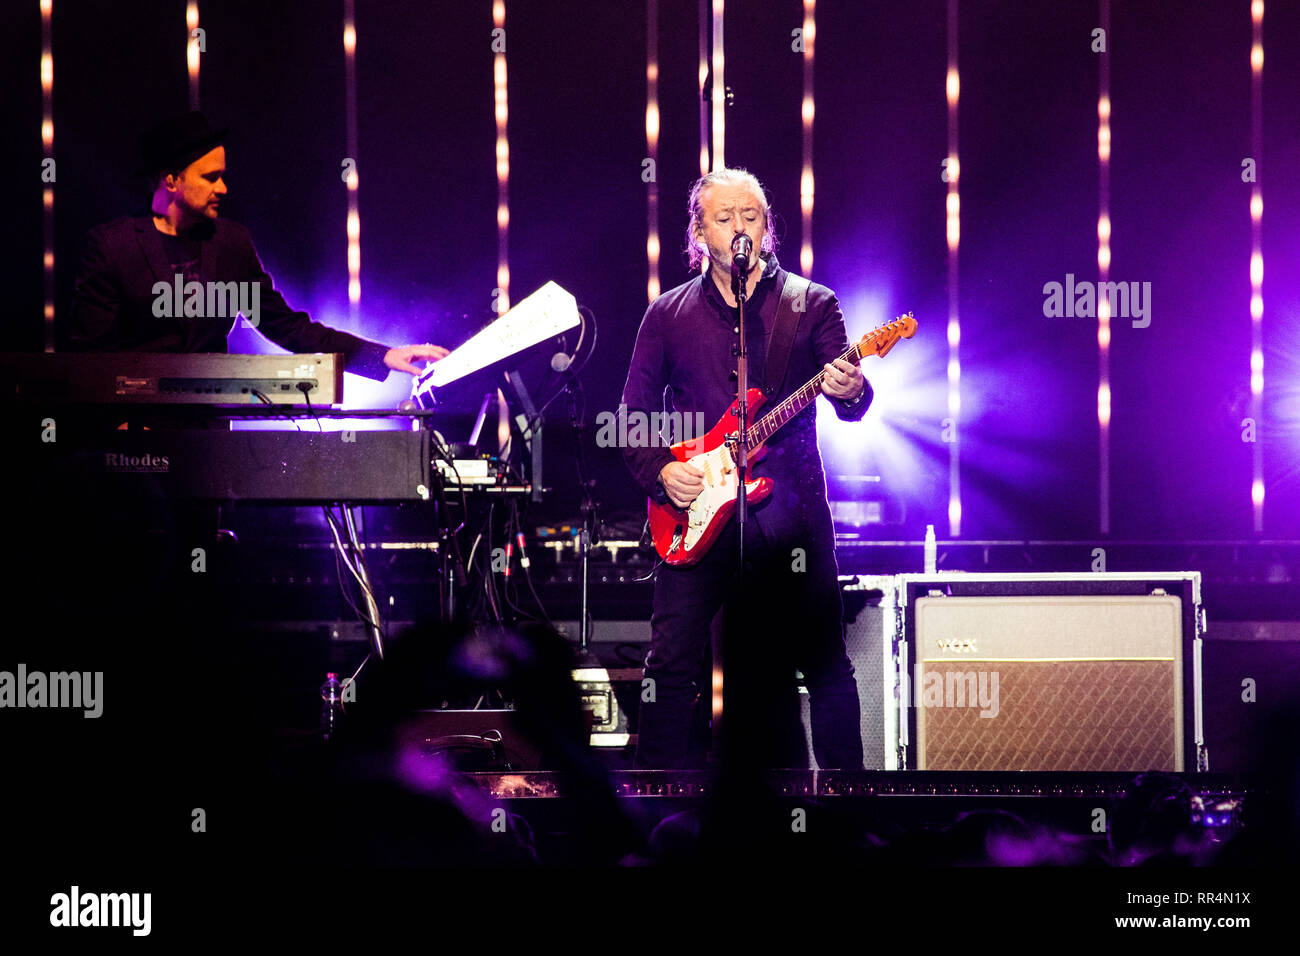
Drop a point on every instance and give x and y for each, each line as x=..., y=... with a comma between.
x=683, y=483
x=843, y=381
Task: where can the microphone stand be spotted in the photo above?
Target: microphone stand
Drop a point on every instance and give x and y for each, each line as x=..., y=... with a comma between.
x=587, y=538
x=740, y=455
x=740, y=446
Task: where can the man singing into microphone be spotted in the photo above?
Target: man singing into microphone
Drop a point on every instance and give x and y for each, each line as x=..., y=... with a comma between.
x=788, y=612
x=115, y=307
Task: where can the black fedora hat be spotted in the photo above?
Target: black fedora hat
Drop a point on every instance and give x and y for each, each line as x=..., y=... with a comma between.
x=177, y=142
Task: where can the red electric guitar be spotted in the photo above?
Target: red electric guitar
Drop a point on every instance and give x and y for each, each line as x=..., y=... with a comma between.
x=683, y=537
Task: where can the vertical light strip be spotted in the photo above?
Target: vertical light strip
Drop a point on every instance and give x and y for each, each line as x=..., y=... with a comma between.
x=714, y=160
x=192, y=50
x=719, y=88
x=503, y=164
x=47, y=153
x=354, y=212
x=1103, y=275
x=809, y=108
x=704, y=89
x=652, y=146
x=953, y=90
x=1257, y=256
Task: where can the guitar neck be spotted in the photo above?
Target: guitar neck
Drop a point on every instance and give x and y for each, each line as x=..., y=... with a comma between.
x=767, y=426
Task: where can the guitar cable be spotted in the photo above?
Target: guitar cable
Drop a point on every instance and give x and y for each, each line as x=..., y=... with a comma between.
x=340, y=557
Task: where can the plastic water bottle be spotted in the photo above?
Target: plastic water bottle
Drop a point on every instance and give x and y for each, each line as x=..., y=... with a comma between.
x=931, y=551
x=329, y=695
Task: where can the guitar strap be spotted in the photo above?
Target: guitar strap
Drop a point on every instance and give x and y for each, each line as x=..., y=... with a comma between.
x=794, y=302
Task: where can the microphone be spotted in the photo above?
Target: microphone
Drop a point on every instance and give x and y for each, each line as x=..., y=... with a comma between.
x=561, y=361
x=742, y=247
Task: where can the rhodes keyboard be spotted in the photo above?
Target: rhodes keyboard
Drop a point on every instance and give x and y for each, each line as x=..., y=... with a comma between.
x=165, y=378
x=287, y=467
x=273, y=467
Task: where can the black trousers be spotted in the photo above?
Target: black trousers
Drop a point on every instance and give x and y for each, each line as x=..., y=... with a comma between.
x=784, y=614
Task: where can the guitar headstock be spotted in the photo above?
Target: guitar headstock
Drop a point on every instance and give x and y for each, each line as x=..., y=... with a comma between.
x=881, y=340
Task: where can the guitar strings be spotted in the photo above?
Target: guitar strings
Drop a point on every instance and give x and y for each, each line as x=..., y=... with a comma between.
x=766, y=426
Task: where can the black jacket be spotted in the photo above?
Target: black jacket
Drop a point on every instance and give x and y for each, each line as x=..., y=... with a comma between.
x=685, y=343
x=113, y=299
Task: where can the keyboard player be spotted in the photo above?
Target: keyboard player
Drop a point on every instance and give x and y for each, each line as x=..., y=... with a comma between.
x=115, y=303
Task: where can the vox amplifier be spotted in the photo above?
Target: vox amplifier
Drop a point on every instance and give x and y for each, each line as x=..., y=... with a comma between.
x=1077, y=672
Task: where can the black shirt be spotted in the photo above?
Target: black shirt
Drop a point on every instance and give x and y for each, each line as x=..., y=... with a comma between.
x=183, y=255
x=685, y=344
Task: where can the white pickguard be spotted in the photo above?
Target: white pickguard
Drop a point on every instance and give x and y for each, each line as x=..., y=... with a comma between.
x=720, y=484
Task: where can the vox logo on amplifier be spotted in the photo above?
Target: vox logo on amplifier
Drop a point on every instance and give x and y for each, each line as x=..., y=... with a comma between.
x=966, y=646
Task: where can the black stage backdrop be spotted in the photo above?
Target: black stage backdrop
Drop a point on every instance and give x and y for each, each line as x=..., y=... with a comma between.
x=1180, y=88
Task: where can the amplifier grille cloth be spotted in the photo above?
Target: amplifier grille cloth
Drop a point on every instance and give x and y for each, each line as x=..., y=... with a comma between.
x=1059, y=715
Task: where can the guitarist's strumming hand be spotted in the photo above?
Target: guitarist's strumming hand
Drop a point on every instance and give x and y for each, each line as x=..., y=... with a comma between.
x=843, y=381
x=683, y=483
